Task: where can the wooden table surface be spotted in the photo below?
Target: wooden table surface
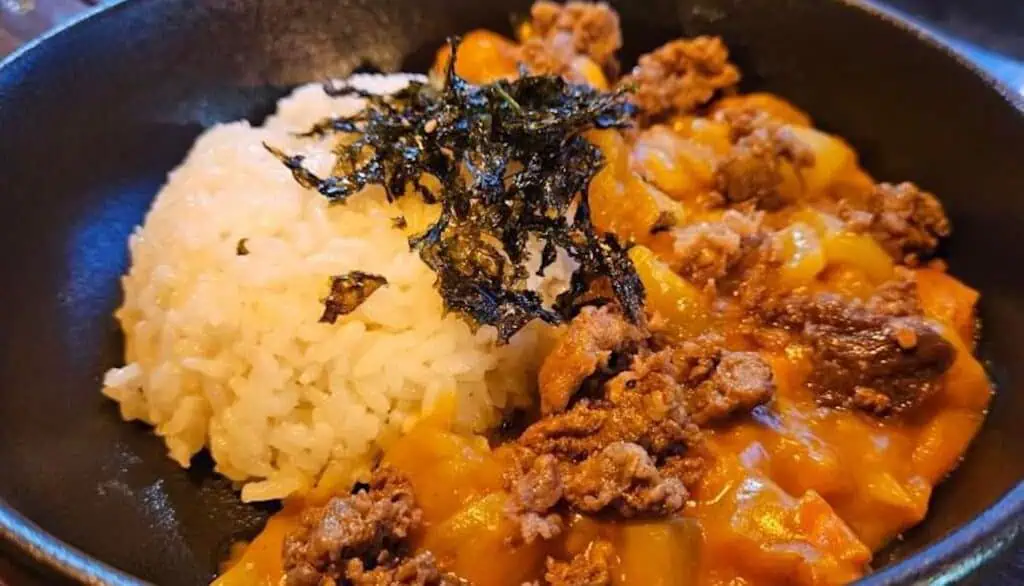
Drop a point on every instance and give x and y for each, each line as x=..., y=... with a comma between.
x=16, y=29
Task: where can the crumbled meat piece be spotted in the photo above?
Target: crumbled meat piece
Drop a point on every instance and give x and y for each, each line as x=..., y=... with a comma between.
x=741, y=381
x=634, y=450
x=688, y=469
x=593, y=567
x=586, y=346
x=370, y=527
x=540, y=488
x=541, y=58
x=754, y=280
x=622, y=477
x=707, y=251
x=418, y=570
x=648, y=411
x=907, y=221
x=581, y=28
x=681, y=75
x=534, y=495
x=898, y=296
x=867, y=359
x=755, y=169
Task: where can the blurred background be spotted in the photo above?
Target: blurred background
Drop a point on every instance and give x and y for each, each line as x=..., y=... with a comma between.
x=991, y=32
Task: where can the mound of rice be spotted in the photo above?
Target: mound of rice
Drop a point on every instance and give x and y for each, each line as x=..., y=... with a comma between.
x=225, y=351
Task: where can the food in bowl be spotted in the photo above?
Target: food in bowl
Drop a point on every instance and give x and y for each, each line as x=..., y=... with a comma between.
x=532, y=321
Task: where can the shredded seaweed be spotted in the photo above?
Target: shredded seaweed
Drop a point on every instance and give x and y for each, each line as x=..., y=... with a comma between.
x=512, y=165
x=348, y=292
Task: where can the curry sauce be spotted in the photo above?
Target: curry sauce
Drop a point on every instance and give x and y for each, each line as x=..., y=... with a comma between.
x=801, y=380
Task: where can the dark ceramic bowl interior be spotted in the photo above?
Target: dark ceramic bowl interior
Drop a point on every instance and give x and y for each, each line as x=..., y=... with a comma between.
x=93, y=117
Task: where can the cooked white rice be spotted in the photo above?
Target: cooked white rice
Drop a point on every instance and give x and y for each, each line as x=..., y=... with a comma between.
x=225, y=351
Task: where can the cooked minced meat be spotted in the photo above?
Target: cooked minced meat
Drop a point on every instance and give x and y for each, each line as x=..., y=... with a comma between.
x=681, y=76
x=864, y=358
x=418, y=570
x=583, y=28
x=907, y=221
x=707, y=251
x=741, y=381
x=535, y=495
x=633, y=450
x=622, y=477
x=593, y=567
x=360, y=539
x=587, y=345
x=755, y=168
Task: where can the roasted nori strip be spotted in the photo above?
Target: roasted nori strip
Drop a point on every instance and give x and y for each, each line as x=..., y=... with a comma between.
x=348, y=292
x=512, y=165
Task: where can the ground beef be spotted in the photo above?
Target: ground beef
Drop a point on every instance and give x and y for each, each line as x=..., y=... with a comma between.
x=534, y=495
x=593, y=567
x=635, y=448
x=418, y=570
x=359, y=539
x=575, y=28
x=898, y=296
x=754, y=170
x=541, y=58
x=705, y=252
x=622, y=478
x=681, y=76
x=586, y=346
x=741, y=381
x=868, y=359
x=907, y=221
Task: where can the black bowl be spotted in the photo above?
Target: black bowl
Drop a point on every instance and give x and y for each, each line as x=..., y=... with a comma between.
x=93, y=117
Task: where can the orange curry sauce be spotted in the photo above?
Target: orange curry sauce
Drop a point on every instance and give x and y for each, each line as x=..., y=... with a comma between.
x=796, y=493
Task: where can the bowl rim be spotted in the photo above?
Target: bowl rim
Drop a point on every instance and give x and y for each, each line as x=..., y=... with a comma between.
x=955, y=556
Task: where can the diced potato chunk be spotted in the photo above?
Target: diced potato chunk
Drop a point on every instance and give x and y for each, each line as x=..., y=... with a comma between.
x=476, y=544
x=832, y=158
x=446, y=470
x=681, y=304
x=658, y=553
x=860, y=251
x=680, y=167
x=803, y=255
